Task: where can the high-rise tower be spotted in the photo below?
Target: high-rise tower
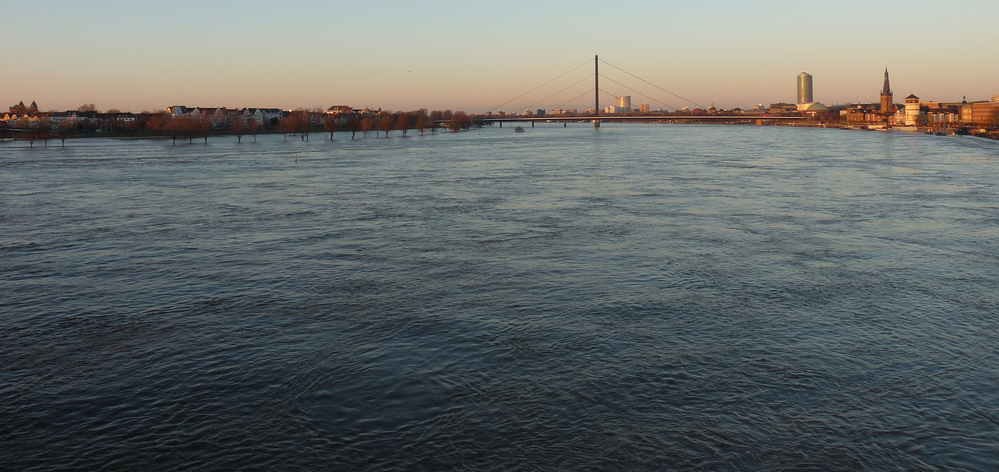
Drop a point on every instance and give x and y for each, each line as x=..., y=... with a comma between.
x=805, y=88
x=624, y=103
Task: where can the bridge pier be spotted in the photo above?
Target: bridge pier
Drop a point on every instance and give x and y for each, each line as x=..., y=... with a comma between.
x=532, y=124
x=565, y=124
x=501, y=124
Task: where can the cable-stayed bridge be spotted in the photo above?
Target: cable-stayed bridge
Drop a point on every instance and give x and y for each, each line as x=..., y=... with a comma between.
x=597, y=117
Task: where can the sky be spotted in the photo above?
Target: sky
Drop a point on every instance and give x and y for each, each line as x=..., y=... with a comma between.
x=139, y=55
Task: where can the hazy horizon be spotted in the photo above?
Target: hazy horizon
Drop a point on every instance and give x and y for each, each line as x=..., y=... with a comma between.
x=474, y=57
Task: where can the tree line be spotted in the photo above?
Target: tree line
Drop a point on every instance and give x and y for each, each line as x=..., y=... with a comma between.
x=302, y=122
x=299, y=122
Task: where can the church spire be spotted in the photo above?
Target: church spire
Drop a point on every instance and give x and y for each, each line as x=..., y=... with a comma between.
x=887, y=107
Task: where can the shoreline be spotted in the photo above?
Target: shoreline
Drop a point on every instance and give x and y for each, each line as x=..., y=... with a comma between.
x=950, y=132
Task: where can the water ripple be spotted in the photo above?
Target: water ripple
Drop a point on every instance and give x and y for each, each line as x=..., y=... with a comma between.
x=636, y=298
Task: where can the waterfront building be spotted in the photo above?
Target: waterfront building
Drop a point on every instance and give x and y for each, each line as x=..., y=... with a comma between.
x=624, y=103
x=981, y=113
x=339, y=109
x=178, y=110
x=219, y=117
x=644, y=108
x=812, y=109
x=870, y=114
x=912, y=109
x=804, y=88
x=265, y=117
x=965, y=111
x=941, y=114
x=782, y=107
x=898, y=118
x=20, y=111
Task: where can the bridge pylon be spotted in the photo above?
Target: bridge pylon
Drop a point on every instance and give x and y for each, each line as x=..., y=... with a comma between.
x=596, y=91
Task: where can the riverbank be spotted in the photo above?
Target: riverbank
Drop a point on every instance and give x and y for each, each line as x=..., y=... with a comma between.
x=9, y=136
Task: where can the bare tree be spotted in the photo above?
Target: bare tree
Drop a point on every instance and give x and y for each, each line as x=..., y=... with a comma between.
x=421, y=122
x=45, y=132
x=331, y=122
x=193, y=129
x=402, y=123
x=436, y=117
x=366, y=124
x=459, y=121
x=203, y=127
x=255, y=129
x=386, y=122
x=286, y=126
x=158, y=123
x=289, y=125
x=87, y=107
x=304, y=123
x=30, y=137
x=64, y=131
x=133, y=126
x=239, y=129
x=176, y=126
x=353, y=124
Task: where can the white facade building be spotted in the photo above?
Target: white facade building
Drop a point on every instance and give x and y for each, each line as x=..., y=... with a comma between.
x=912, y=110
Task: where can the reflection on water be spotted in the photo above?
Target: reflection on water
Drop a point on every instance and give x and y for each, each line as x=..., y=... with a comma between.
x=637, y=297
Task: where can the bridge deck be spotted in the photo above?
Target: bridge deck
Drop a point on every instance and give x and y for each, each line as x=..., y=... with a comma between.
x=649, y=118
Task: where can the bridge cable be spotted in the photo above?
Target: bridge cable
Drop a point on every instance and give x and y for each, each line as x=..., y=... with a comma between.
x=542, y=85
x=560, y=91
x=576, y=98
x=652, y=84
x=640, y=93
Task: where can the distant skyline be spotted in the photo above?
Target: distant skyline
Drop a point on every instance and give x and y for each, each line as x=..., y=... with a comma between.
x=472, y=56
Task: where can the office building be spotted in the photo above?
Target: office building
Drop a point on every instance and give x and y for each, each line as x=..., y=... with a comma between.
x=805, y=88
x=624, y=103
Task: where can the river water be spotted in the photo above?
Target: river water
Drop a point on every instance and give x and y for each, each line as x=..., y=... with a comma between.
x=638, y=297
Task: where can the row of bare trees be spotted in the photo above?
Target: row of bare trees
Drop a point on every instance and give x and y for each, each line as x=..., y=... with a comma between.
x=386, y=122
x=177, y=127
x=302, y=122
x=44, y=132
x=299, y=122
